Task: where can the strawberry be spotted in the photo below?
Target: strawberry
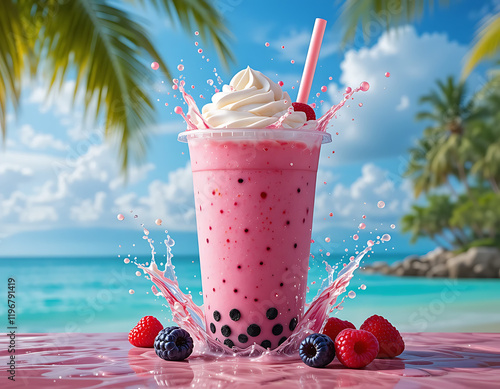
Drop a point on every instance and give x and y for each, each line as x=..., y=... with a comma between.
x=144, y=333
x=390, y=342
x=306, y=109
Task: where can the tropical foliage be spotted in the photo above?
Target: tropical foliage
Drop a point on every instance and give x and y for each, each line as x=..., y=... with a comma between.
x=104, y=48
x=457, y=164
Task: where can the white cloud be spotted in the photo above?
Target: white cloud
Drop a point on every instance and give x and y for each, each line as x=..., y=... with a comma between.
x=347, y=202
x=385, y=125
x=38, y=141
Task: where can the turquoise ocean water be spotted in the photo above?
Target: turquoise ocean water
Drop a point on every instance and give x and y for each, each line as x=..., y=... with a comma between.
x=92, y=295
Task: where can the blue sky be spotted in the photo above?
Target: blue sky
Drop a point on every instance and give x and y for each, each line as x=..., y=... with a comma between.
x=60, y=187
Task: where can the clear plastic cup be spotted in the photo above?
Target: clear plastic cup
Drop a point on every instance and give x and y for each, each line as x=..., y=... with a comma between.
x=254, y=196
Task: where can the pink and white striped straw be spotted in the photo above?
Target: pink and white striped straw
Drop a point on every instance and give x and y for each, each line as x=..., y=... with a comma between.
x=311, y=60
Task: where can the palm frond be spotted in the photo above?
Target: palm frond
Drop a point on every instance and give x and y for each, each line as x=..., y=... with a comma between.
x=486, y=44
x=13, y=51
x=386, y=13
x=104, y=45
x=200, y=15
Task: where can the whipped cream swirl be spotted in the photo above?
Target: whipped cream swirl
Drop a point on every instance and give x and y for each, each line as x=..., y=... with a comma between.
x=251, y=100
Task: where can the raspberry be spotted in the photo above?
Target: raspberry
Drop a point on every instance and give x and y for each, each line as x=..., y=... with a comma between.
x=144, y=333
x=356, y=348
x=389, y=339
x=334, y=325
x=306, y=109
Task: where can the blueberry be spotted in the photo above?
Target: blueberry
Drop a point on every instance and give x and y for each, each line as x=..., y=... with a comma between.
x=173, y=344
x=317, y=350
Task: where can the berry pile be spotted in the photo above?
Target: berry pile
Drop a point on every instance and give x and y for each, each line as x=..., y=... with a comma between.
x=376, y=338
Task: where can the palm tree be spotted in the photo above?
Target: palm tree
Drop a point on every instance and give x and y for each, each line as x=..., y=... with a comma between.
x=104, y=46
x=450, y=113
x=387, y=13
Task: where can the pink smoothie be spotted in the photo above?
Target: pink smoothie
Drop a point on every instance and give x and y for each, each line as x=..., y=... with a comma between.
x=254, y=194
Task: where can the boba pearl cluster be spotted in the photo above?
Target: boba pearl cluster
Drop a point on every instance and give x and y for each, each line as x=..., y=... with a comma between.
x=253, y=330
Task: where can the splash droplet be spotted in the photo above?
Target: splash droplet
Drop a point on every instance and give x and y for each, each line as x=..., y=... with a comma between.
x=200, y=51
x=180, y=67
x=120, y=217
x=363, y=287
x=348, y=89
x=387, y=74
x=131, y=291
x=364, y=86
x=126, y=260
x=360, y=104
x=370, y=243
x=166, y=104
x=267, y=44
x=355, y=237
x=327, y=239
x=138, y=273
x=292, y=61
x=178, y=110
x=281, y=83
x=381, y=204
x=155, y=66
x=393, y=226
x=351, y=294
x=364, y=216
x=324, y=88
x=385, y=238
x=282, y=47
x=196, y=33
x=362, y=226
x=158, y=222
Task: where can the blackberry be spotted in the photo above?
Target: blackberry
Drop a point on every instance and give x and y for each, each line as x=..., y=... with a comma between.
x=173, y=344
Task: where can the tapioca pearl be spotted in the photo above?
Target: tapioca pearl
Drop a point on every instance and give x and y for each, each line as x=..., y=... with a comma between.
x=229, y=343
x=281, y=340
x=226, y=331
x=240, y=180
x=266, y=344
x=253, y=330
x=246, y=230
x=288, y=222
x=239, y=266
x=263, y=195
x=277, y=329
x=295, y=245
x=256, y=300
x=272, y=313
x=242, y=338
x=217, y=316
x=234, y=314
x=298, y=190
x=224, y=281
x=293, y=324
x=268, y=248
x=281, y=284
x=235, y=290
x=303, y=220
x=212, y=328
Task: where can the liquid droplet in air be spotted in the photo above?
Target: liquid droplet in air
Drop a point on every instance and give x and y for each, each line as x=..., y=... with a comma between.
x=158, y=222
x=281, y=83
x=155, y=66
x=126, y=260
x=370, y=243
x=355, y=237
x=200, y=51
x=131, y=291
x=393, y=226
x=324, y=88
x=364, y=86
x=267, y=44
x=348, y=89
x=351, y=294
x=362, y=226
x=178, y=110
x=381, y=204
x=385, y=238
x=120, y=217
x=180, y=67
x=138, y=273
x=196, y=33
x=327, y=239
x=363, y=287
x=360, y=104
x=387, y=74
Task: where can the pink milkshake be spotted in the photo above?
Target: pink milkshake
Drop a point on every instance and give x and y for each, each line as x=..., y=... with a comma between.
x=254, y=192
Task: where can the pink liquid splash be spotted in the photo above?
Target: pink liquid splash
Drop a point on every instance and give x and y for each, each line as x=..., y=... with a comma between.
x=190, y=317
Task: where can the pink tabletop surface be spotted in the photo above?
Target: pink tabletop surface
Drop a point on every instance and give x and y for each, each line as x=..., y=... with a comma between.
x=107, y=360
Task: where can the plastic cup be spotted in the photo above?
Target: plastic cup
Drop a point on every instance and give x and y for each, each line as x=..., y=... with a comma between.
x=254, y=196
